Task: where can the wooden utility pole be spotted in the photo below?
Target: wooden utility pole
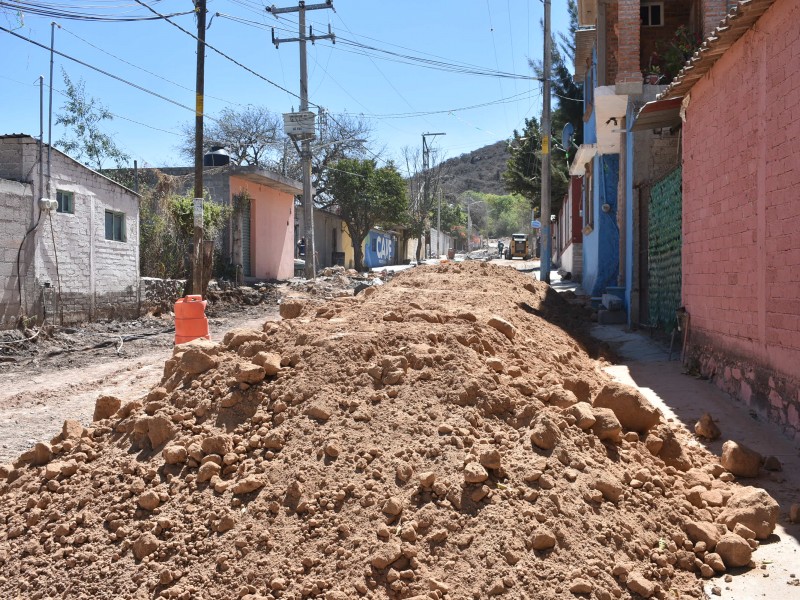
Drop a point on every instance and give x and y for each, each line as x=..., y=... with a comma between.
x=305, y=152
x=197, y=248
x=426, y=181
x=545, y=218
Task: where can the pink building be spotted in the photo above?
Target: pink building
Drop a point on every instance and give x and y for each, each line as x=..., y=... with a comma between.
x=741, y=207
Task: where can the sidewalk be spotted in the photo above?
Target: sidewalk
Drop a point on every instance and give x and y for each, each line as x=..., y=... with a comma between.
x=684, y=398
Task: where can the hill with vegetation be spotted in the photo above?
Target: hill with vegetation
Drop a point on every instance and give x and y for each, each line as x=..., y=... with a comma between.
x=477, y=171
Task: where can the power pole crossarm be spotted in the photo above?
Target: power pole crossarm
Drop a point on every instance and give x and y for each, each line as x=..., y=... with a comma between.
x=305, y=154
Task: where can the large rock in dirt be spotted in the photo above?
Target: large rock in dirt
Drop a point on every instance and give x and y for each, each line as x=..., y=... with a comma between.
x=582, y=412
x=503, y=326
x=734, y=550
x=562, y=398
x=609, y=486
x=543, y=539
x=707, y=428
x=606, y=425
x=105, y=407
x=672, y=451
x=269, y=361
x=195, y=361
x=754, y=508
x=159, y=430
x=217, y=444
x=580, y=387
x=236, y=337
x=633, y=410
x=639, y=584
x=703, y=531
x=291, y=309
x=145, y=545
x=72, y=430
x=545, y=434
x=250, y=373
x=740, y=460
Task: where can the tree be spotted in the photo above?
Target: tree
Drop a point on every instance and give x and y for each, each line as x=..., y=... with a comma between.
x=568, y=104
x=523, y=174
x=82, y=115
x=253, y=136
x=423, y=191
x=366, y=196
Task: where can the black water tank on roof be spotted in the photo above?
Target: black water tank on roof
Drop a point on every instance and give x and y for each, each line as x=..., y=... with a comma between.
x=218, y=157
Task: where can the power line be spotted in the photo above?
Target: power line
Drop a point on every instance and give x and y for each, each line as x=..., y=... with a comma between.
x=49, y=11
x=135, y=66
x=220, y=52
x=99, y=70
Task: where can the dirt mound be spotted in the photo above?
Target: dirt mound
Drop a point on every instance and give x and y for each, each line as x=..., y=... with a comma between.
x=429, y=438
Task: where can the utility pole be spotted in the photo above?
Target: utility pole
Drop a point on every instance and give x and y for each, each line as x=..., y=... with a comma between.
x=197, y=249
x=426, y=165
x=305, y=153
x=545, y=218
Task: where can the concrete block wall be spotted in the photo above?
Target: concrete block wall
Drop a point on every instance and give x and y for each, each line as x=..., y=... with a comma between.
x=741, y=195
x=16, y=200
x=76, y=273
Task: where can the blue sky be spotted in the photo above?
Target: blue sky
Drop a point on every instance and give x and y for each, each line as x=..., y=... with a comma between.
x=493, y=35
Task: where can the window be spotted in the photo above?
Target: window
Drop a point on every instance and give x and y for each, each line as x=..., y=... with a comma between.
x=652, y=15
x=66, y=201
x=115, y=226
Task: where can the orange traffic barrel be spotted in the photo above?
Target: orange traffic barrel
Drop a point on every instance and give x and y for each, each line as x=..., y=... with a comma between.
x=190, y=319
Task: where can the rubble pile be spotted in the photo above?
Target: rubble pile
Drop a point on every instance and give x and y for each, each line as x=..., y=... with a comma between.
x=431, y=438
x=338, y=282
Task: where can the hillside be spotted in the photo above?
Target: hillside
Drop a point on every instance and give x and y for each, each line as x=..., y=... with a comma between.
x=479, y=170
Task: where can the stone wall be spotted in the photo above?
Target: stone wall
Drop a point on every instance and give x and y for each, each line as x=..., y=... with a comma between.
x=160, y=294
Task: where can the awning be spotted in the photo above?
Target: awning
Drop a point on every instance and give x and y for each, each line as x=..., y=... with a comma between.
x=584, y=154
x=584, y=44
x=658, y=114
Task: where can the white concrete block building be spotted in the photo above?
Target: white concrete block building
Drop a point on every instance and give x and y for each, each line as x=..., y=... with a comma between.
x=76, y=262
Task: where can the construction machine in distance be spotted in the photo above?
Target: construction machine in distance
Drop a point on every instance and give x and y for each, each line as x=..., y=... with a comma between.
x=519, y=247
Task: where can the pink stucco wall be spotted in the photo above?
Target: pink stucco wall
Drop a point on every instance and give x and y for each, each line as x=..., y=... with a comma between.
x=271, y=229
x=741, y=217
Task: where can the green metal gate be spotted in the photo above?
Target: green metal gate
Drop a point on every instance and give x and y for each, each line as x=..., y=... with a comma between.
x=664, y=251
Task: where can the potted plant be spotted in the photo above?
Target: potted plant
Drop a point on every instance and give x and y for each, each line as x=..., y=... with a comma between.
x=678, y=50
x=652, y=75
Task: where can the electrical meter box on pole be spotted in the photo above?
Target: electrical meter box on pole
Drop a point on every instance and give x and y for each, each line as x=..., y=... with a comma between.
x=299, y=125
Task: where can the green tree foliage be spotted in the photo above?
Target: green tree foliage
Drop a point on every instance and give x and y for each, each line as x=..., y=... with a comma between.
x=507, y=214
x=366, y=196
x=83, y=115
x=181, y=209
x=523, y=174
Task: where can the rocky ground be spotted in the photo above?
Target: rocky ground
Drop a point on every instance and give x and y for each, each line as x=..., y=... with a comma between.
x=442, y=436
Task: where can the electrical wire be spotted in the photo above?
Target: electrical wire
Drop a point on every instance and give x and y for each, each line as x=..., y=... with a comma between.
x=220, y=52
x=135, y=66
x=44, y=10
x=106, y=73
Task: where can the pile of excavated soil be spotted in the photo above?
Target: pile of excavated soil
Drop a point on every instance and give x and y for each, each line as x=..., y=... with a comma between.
x=435, y=437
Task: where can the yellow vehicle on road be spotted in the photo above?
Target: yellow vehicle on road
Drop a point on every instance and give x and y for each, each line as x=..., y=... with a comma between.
x=519, y=247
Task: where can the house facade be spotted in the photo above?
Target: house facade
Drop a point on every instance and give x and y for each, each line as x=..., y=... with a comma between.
x=258, y=240
x=618, y=45
x=77, y=261
x=740, y=99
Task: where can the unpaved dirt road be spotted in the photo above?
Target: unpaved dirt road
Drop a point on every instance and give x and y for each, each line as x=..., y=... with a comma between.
x=36, y=399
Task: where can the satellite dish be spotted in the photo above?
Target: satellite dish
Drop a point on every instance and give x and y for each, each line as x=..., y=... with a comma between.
x=566, y=136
